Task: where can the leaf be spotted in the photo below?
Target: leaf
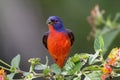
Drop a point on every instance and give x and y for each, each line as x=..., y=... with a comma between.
x=16, y=61
x=75, y=58
x=84, y=55
x=69, y=65
x=92, y=68
x=55, y=68
x=77, y=67
x=77, y=78
x=74, y=64
x=78, y=57
x=109, y=37
x=71, y=68
x=87, y=78
x=94, y=75
x=40, y=67
x=93, y=57
x=98, y=43
x=10, y=76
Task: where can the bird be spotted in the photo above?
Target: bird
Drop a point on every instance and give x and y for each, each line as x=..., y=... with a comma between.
x=58, y=40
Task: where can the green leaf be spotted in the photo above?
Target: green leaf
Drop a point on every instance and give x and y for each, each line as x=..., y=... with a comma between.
x=84, y=55
x=77, y=67
x=77, y=78
x=55, y=68
x=94, y=75
x=98, y=43
x=74, y=64
x=92, y=58
x=40, y=67
x=16, y=61
x=87, y=78
x=109, y=37
x=10, y=76
x=75, y=58
x=92, y=68
x=78, y=57
x=71, y=68
x=69, y=65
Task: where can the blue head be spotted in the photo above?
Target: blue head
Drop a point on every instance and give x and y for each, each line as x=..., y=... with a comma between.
x=56, y=22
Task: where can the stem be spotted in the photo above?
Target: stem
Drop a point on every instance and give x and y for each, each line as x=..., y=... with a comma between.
x=46, y=61
x=5, y=68
x=20, y=71
x=38, y=75
x=4, y=63
x=31, y=68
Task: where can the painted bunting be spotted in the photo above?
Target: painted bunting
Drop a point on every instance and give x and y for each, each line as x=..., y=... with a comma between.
x=58, y=40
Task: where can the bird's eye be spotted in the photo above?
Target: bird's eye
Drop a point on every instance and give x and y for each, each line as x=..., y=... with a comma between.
x=54, y=21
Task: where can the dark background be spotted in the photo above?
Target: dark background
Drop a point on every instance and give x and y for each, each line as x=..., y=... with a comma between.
x=23, y=22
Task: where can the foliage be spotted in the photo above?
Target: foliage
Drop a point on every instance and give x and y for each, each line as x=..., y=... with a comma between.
x=82, y=66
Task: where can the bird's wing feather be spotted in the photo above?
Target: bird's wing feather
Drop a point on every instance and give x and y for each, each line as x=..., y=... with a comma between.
x=71, y=35
x=45, y=37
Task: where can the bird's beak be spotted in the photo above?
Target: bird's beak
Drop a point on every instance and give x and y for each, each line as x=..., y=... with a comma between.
x=48, y=21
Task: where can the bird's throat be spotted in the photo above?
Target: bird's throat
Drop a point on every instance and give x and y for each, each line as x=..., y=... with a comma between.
x=51, y=28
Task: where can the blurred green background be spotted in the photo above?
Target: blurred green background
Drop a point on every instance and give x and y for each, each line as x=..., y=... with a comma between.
x=21, y=34
x=74, y=14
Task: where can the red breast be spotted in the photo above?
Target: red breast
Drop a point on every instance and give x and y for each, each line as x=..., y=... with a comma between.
x=59, y=45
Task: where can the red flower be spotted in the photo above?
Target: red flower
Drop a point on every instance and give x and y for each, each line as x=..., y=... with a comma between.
x=107, y=69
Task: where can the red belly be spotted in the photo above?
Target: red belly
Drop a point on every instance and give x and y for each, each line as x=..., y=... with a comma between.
x=59, y=46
